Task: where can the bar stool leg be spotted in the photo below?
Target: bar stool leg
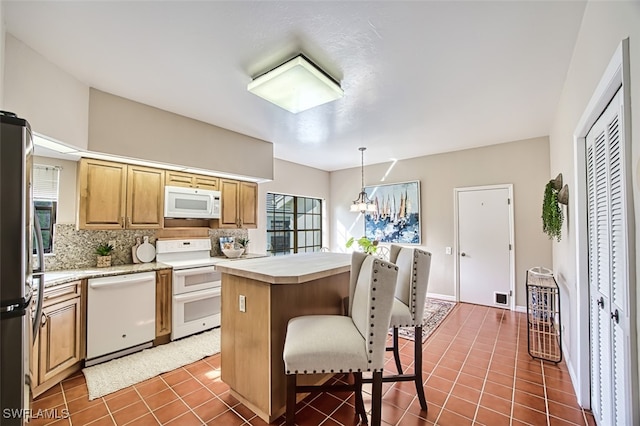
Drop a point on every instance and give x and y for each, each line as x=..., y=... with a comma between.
x=291, y=400
x=376, y=399
x=396, y=352
x=417, y=367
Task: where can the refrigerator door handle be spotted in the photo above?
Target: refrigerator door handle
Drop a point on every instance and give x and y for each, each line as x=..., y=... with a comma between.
x=36, y=325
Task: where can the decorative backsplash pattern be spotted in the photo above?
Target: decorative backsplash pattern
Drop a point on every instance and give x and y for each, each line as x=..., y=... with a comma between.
x=75, y=249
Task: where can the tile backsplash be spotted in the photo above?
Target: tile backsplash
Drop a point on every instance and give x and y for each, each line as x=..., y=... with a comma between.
x=75, y=249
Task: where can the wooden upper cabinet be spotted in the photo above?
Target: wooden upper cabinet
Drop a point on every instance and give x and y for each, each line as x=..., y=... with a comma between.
x=239, y=204
x=191, y=180
x=145, y=197
x=248, y=205
x=102, y=194
x=119, y=196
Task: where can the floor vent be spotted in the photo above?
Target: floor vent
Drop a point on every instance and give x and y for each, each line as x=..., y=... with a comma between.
x=501, y=299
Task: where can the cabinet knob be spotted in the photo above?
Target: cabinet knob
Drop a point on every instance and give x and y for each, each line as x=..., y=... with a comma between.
x=615, y=316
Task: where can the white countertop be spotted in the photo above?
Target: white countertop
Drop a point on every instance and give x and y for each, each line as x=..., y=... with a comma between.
x=290, y=269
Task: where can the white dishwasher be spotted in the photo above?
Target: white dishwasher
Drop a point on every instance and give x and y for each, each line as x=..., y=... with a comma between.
x=121, y=315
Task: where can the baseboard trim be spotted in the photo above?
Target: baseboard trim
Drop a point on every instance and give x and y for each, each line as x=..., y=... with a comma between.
x=441, y=297
x=522, y=309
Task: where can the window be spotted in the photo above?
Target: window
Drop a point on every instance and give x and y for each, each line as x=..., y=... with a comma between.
x=45, y=201
x=294, y=224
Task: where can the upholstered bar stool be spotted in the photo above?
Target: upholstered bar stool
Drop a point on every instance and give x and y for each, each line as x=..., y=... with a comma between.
x=345, y=344
x=408, y=309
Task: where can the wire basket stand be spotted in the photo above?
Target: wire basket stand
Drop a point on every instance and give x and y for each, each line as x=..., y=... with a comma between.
x=543, y=315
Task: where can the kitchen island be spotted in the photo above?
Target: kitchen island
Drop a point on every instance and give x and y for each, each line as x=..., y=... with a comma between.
x=259, y=296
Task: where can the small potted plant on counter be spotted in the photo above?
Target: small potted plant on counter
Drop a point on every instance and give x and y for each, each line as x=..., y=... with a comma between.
x=242, y=242
x=104, y=255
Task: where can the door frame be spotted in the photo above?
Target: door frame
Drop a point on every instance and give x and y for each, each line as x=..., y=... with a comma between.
x=616, y=74
x=456, y=238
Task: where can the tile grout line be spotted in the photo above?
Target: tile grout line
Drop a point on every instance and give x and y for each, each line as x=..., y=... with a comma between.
x=463, y=363
x=484, y=383
x=546, y=398
x=190, y=409
x=146, y=405
x=433, y=334
x=215, y=396
x=513, y=384
x=104, y=401
x=66, y=404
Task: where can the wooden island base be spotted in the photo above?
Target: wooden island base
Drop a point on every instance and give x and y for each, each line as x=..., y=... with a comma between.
x=252, y=341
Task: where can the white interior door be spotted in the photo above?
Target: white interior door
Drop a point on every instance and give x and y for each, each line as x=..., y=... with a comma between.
x=611, y=366
x=485, y=250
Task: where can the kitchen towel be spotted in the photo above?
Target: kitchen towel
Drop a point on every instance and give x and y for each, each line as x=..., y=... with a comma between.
x=117, y=374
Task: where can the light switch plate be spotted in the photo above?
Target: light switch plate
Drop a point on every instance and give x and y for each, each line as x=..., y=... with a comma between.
x=447, y=250
x=242, y=302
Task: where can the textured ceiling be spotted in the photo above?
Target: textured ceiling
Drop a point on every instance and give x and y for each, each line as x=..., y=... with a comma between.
x=419, y=77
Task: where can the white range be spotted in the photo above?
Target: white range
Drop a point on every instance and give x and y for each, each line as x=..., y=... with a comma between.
x=196, y=285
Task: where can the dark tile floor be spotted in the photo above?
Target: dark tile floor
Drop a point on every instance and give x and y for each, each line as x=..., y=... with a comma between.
x=476, y=369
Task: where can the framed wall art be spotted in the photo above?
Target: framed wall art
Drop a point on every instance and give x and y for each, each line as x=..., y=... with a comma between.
x=397, y=215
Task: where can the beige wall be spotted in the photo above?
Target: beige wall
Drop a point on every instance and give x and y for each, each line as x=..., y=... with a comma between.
x=67, y=188
x=292, y=179
x=122, y=127
x=525, y=164
x=54, y=102
x=604, y=26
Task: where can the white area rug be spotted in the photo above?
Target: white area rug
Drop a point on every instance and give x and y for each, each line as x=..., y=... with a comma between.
x=117, y=374
x=435, y=311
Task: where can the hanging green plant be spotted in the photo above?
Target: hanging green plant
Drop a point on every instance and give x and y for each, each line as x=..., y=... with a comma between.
x=552, y=216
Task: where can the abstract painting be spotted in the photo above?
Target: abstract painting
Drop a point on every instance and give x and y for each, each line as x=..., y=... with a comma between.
x=397, y=215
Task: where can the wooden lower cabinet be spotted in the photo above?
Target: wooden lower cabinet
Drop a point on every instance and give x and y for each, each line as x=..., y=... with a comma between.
x=57, y=352
x=163, y=306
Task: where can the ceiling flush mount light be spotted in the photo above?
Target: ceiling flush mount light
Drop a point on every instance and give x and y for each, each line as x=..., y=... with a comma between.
x=362, y=204
x=296, y=85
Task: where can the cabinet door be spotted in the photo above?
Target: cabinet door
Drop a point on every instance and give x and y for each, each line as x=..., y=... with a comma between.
x=248, y=205
x=102, y=194
x=179, y=179
x=163, y=302
x=145, y=198
x=207, y=182
x=59, y=338
x=229, y=192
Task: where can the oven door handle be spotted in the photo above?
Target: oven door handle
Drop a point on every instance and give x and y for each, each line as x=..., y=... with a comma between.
x=194, y=271
x=196, y=295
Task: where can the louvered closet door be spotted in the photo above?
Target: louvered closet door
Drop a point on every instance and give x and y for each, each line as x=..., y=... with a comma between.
x=608, y=268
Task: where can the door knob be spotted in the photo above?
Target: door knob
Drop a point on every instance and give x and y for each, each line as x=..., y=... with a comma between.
x=463, y=254
x=601, y=302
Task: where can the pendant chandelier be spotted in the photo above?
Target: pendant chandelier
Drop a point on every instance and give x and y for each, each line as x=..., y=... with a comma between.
x=363, y=204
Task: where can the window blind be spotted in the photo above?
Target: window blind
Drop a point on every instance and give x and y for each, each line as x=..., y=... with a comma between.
x=45, y=182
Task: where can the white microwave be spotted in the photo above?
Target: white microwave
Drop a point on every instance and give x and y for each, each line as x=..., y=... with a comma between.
x=191, y=203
